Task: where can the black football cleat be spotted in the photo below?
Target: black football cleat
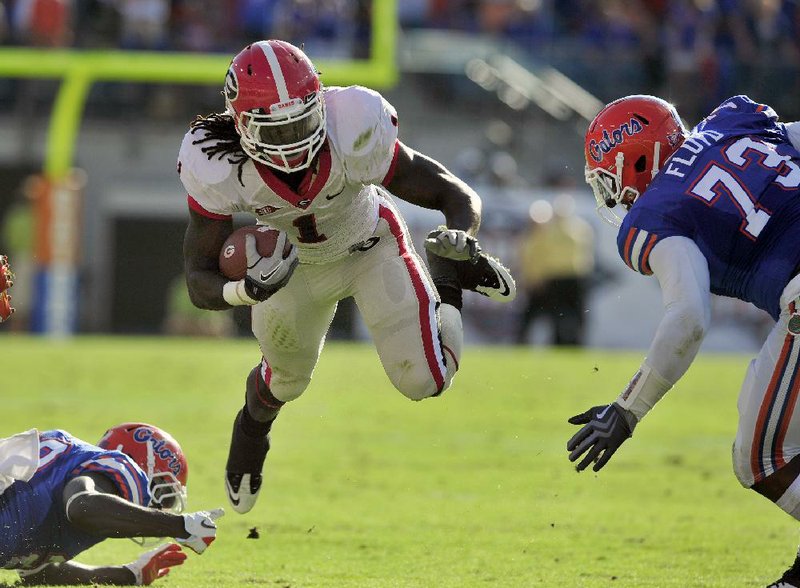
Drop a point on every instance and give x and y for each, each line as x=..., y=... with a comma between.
x=242, y=490
x=790, y=579
x=243, y=470
x=786, y=582
x=487, y=276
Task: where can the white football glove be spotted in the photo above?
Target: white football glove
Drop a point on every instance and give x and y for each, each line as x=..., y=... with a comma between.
x=201, y=528
x=453, y=244
x=267, y=275
x=156, y=563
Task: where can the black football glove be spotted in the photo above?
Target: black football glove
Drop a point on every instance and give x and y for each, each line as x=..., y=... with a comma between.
x=604, y=429
x=267, y=275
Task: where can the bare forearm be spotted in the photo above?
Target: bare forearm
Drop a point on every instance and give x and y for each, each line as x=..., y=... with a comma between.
x=423, y=181
x=205, y=289
x=201, y=245
x=107, y=515
x=72, y=574
x=460, y=205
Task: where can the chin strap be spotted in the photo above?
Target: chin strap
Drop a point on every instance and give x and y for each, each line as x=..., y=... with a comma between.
x=656, y=158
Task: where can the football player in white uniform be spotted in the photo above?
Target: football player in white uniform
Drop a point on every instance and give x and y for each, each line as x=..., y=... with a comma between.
x=321, y=165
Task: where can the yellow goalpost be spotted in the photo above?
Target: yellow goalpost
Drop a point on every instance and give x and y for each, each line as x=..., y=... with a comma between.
x=78, y=70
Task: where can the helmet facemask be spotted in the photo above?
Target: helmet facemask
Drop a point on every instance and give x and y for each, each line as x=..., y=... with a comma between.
x=166, y=491
x=288, y=138
x=610, y=189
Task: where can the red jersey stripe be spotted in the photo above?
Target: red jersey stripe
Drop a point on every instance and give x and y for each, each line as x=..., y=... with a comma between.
x=428, y=330
x=387, y=179
x=197, y=207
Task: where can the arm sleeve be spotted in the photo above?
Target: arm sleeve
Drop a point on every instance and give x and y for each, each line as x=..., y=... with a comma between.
x=366, y=129
x=206, y=181
x=682, y=272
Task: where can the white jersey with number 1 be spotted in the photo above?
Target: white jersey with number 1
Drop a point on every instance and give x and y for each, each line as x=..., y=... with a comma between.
x=351, y=242
x=336, y=206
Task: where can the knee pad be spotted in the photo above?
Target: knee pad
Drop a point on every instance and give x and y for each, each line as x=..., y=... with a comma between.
x=415, y=380
x=287, y=386
x=741, y=465
x=416, y=387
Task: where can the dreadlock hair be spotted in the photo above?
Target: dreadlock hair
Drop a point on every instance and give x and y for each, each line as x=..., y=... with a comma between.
x=221, y=129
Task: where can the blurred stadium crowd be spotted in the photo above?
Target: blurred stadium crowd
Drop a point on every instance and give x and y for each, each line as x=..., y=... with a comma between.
x=339, y=27
x=694, y=51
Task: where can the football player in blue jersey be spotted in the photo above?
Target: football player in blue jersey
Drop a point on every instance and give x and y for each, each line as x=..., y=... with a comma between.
x=714, y=210
x=60, y=496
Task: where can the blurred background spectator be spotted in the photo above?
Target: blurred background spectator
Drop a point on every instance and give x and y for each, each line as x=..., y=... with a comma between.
x=17, y=232
x=555, y=268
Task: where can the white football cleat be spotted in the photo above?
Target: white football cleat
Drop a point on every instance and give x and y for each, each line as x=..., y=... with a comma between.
x=242, y=490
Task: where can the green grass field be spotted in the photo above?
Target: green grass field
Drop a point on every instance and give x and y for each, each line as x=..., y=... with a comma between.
x=367, y=489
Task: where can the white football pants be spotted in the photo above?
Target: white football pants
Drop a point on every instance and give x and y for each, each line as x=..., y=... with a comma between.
x=418, y=346
x=769, y=424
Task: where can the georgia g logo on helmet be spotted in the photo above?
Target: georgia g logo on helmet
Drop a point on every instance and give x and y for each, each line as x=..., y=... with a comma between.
x=231, y=85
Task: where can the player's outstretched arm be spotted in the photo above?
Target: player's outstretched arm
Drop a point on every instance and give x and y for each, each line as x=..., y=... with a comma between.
x=423, y=181
x=149, y=567
x=91, y=504
x=682, y=272
x=201, y=245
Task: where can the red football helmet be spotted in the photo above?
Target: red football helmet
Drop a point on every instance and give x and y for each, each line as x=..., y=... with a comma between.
x=273, y=92
x=159, y=456
x=626, y=144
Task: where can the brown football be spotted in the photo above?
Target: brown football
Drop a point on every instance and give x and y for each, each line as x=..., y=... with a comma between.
x=232, y=256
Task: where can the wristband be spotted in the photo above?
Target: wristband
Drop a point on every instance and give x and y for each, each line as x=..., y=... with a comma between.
x=235, y=294
x=643, y=391
x=136, y=570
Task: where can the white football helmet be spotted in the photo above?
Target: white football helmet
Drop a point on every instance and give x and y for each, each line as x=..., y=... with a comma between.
x=274, y=94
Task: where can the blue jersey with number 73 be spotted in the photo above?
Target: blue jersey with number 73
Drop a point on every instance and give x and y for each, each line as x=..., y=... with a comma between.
x=733, y=187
